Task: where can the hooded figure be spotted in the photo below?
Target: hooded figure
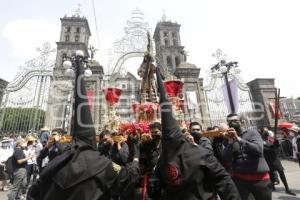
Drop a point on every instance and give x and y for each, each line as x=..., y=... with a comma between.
x=185, y=168
x=80, y=172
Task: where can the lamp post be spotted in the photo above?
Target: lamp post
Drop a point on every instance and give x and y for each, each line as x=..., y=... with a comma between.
x=76, y=65
x=224, y=68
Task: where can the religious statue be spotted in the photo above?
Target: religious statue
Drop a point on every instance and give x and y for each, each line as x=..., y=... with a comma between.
x=92, y=50
x=146, y=71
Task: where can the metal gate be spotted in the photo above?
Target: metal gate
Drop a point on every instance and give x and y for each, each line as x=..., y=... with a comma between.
x=25, y=98
x=216, y=99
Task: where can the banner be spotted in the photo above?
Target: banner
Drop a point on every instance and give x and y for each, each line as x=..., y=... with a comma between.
x=234, y=94
x=272, y=104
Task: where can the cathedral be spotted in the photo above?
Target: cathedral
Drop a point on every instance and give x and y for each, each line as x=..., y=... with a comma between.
x=169, y=55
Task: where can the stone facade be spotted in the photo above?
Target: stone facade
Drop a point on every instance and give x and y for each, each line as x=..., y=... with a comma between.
x=193, y=85
x=263, y=93
x=75, y=34
x=3, y=85
x=130, y=86
x=290, y=107
x=171, y=56
x=170, y=53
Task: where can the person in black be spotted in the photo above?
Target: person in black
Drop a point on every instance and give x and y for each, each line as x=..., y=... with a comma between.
x=52, y=149
x=119, y=151
x=250, y=169
x=150, y=150
x=149, y=155
x=19, y=166
x=184, y=167
x=105, y=144
x=195, y=130
x=271, y=153
x=80, y=172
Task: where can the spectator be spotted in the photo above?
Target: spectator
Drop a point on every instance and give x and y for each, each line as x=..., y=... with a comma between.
x=19, y=162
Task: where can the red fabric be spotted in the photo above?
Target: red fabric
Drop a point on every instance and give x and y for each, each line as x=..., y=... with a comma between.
x=112, y=95
x=145, y=185
x=252, y=177
x=90, y=96
x=173, y=88
x=280, y=115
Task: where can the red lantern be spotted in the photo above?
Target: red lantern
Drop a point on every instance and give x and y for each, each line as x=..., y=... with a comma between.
x=174, y=87
x=112, y=95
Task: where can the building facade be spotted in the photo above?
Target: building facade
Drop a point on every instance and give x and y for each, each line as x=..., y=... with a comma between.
x=130, y=86
x=74, y=35
x=290, y=108
x=263, y=93
x=169, y=51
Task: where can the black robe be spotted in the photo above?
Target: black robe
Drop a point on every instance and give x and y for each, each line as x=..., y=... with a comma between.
x=188, y=171
x=83, y=174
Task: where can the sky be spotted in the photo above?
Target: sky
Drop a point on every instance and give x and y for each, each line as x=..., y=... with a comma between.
x=263, y=36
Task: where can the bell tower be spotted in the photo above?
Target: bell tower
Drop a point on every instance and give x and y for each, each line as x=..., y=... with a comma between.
x=74, y=35
x=168, y=46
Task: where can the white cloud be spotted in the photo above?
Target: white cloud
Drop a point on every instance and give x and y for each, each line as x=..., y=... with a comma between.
x=25, y=35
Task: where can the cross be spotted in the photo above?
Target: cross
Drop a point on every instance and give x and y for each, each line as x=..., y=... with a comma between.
x=219, y=55
x=164, y=17
x=77, y=11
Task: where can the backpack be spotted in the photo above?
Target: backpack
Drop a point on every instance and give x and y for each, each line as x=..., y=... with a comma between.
x=10, y=166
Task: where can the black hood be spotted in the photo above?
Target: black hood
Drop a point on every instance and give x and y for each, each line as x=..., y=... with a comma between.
x=83, y=126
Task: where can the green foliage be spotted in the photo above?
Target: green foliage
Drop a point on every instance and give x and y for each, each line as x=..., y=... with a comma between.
x=22, y=119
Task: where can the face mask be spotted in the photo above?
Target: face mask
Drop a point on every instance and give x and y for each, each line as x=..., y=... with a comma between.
x=156, y=137
x=235, y=125
x=196, y=135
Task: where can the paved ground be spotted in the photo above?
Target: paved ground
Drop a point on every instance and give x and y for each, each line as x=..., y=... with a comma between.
x=292, y=171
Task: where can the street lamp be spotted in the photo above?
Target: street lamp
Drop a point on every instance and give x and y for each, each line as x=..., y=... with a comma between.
x=76, y=65
x=225, y=68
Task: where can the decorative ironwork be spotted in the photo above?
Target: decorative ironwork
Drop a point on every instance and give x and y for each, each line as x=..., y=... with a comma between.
x=28, y=93
x=214, y=94
x=133, y=44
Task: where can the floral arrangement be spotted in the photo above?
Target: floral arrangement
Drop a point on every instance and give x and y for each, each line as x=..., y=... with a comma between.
x=145, y=112
x=134, y=128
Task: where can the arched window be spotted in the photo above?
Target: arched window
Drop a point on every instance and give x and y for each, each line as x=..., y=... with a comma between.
x=67, y=38
x=177, y=61
x=76, y=38
x=169, y=61
x=77, y=30
x=68, y=29
x=175, y=42
x=166, y=42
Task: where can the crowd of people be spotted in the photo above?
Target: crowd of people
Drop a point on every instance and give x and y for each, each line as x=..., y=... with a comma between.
x=227, y=161
x=253, y=169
